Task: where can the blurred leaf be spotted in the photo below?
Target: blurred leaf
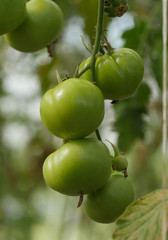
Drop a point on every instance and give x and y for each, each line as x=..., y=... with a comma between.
x=135, y=36
x=130, y=122
x=156, y=57
x=47, y=74
x=142, y=219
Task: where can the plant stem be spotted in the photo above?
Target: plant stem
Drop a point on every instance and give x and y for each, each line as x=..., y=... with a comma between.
x=83, y=70
x=99, y=30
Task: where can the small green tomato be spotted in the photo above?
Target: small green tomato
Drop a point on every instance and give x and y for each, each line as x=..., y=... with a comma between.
x=119, y=163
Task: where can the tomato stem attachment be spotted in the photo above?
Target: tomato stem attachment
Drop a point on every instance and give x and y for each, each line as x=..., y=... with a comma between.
x=98, y=134
x=80, y=200
x=125, y=173
x=99, y=30
x=78, y=73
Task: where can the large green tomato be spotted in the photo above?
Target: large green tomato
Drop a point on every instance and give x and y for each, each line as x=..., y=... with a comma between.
x=118, y=75
x=109, y=202
x=41, y=27
x=79, y=166
x=73, y=109
x=12, y=14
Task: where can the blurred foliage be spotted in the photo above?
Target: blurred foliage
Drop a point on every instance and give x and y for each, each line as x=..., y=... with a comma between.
x=28, y=209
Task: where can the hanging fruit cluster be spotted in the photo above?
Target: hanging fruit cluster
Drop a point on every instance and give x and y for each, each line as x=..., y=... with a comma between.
x=31, y=26
x=75, y=107
x=73, y=110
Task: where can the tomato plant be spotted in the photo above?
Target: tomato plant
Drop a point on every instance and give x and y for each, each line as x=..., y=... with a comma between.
x=79, y=166
x=73, y=109
x=12, y=14
x=118, y=74
x=42, y=25
x=109, y=202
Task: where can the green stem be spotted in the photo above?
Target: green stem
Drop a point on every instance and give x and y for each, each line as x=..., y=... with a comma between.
x=99, y=30
x=81, y=72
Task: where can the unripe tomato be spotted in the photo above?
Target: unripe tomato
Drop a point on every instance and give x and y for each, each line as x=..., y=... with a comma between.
x=79, y=166
x=73, y=109
x=12, y=14
x=119, y=163
x=41, y=27
x=118, y=75
x=109, y=202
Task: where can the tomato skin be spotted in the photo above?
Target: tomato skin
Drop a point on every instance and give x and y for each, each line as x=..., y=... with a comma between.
x=78, y=166
x=73, y=109
x=109, y=202
x=12, y=14
x=118, y=75
x=42, y=25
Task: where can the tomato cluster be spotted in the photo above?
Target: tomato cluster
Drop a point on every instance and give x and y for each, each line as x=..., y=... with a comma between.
x=73, y=110
x=30, y=26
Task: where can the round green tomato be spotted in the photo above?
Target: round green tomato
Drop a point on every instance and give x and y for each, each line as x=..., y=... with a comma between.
x=109, y=202
x=79, y=166
x=41, y=27
x=12, y=14
x=119, y=163
x=118, y=75
x=73, y=109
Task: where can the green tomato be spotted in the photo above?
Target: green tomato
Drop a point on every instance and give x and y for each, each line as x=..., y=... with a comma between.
x=109, y=202
x=12, y=14
x=41, y=27
x=73, y=109
x=118, y=75
x=79, y=166
x=119, y=163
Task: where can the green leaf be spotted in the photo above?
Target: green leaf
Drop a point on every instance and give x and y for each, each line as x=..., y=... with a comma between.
x=132, y=111
x=134, y=38
x=142, y=220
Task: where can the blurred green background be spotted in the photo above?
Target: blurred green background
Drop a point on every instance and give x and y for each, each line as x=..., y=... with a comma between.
x=29, y=210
